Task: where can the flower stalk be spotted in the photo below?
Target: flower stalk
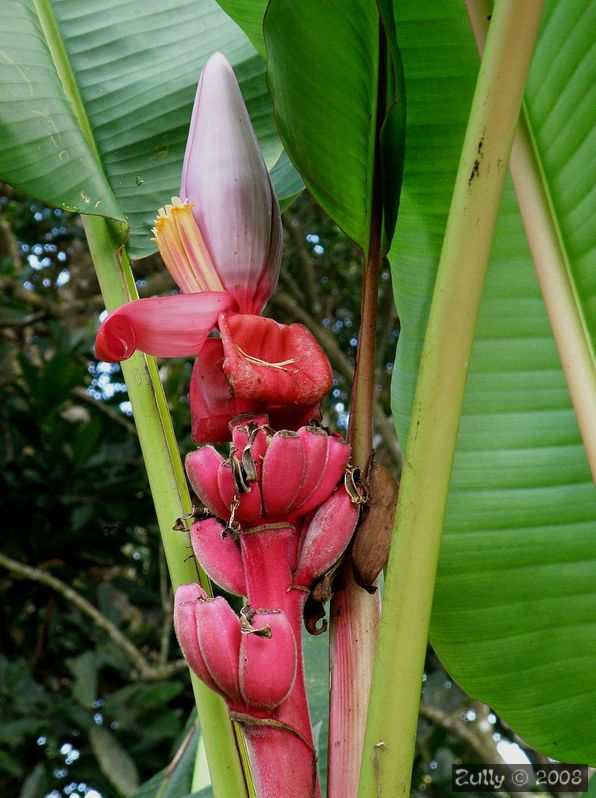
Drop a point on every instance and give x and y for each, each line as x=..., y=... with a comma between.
x=355, y=612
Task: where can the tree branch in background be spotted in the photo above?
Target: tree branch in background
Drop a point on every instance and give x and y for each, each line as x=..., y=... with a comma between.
x=294, y=231
x=286, y=280
x=9, y=243
x=476, y=739
x=147, y=672
x=111, y=412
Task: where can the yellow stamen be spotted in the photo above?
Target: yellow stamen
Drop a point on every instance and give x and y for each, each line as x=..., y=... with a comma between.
x=183, y=248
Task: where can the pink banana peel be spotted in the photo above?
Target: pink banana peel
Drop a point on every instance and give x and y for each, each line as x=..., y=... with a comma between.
x=338, y=455
x=202, y=469
x=283, y=473
x=268, y=660
x=326, y=537
x=219, y=555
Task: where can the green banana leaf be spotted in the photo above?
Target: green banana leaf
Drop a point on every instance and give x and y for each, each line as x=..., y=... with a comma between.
x=332, y=76
x=514, y=617
x=515, y=605
x=97, y=100
x=248, y=14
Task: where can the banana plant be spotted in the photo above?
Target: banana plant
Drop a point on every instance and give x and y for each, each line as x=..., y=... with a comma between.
x=494, y=384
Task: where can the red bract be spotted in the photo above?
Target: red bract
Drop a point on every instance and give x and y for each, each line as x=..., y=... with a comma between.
x=170, y=326
x=215, y=401
x=212, y=405
x=271, y=362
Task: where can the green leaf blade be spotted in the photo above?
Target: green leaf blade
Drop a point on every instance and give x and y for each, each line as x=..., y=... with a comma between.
x=43, y=150
x=248, y=14
x=515, y=607
x=565, y=135
x=134, y=67
x=325, y=101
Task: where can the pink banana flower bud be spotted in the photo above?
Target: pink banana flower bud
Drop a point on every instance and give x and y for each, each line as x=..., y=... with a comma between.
x=251, y=661
x=227, y=183
x=222, y=244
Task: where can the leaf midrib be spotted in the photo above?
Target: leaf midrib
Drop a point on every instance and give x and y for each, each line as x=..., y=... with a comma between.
x=565, y=261
x=66, y=75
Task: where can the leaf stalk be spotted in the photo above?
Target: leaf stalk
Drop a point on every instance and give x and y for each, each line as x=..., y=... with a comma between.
x=395, y=697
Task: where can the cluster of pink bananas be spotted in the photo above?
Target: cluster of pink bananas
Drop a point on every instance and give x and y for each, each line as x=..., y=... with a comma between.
x=282, y=518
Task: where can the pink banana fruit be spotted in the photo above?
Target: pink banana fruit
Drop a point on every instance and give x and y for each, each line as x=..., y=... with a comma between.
x=314, y=444
x=202, y=468
x=194, y=616
x=187, y=603
x=219, y=556
x=251, y=662
x=283, y=469
x=268, y=660
x=338, y=454
x=219, y=636
x=326, y=537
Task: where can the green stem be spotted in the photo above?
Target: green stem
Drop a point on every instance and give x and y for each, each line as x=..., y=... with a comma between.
x=169, y=491
x=395, y=697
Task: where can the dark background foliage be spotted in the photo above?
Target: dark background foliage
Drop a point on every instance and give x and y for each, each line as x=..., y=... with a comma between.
x=93, y=694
